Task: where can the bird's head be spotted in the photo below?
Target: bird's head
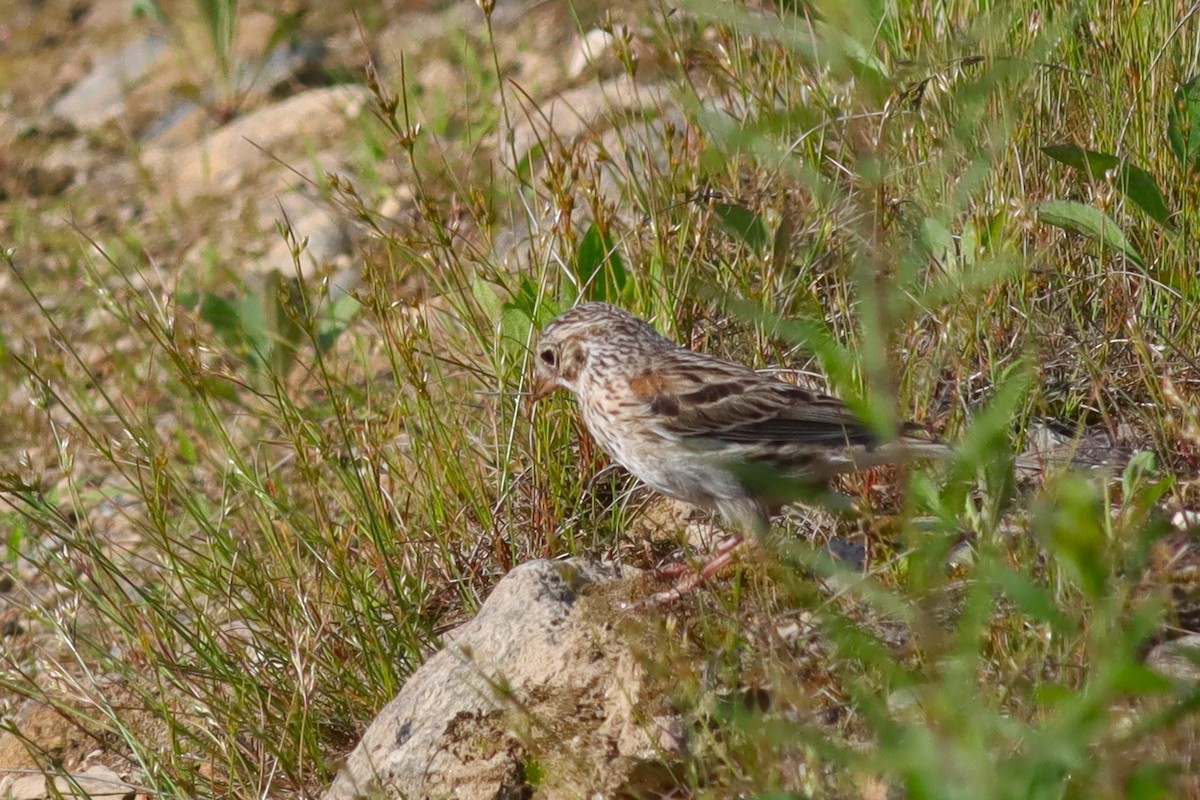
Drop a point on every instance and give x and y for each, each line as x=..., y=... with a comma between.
x=577, y=342
x=558, y=361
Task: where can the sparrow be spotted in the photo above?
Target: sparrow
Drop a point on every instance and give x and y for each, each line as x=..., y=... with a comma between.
x=710, y=432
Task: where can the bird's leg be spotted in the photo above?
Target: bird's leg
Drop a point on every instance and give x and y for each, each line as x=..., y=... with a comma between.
x=680, y=568
x=748, y=514
x=719, y=560
x=711, y=539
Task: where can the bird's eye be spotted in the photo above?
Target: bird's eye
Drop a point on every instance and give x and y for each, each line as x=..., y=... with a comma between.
x=547, y=357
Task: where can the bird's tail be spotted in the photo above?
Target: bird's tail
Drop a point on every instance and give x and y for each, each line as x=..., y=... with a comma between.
x=900, y=451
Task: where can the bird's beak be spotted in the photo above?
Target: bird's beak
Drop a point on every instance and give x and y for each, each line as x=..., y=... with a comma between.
x=540, y=387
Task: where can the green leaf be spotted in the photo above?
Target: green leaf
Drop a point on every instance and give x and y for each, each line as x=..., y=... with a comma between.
x=186, y=448
x=516, y=326
x=151, y=9
x=1071, y=520
x=530, y=300
x=924, y=494
x=1088, y=221
x=16, y=535
x=1139, y=479
x=252, y=317
x=338, y=316
x=599, y=267
x=222, y=315
x=744, y=224
x=987, y=434
x=526, y=297
x=1183, y=125
x=526, y=310
x=1090, y=161
x=784, y=241
x=977, y=261
x=1134, y=182
x=1150, y=782
x=937, y=241
x=486, y=298
x=862, y=60
x=1135, y=678
x=968, y=246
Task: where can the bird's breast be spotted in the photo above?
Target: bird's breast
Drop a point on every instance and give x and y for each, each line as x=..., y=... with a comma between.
x=621, y=425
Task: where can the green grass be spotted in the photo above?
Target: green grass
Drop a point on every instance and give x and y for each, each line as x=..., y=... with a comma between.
x=221, y=479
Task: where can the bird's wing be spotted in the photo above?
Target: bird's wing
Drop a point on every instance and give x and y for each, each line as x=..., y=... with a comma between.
x=703, y=398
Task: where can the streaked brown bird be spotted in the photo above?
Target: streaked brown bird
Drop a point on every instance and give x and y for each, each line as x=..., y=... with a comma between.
x=702, y=429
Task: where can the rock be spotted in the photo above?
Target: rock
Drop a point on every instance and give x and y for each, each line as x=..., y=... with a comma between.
x=36, y=180
x=595, y=48
x=1178, y=659
x=193, y=93
x=1187, y=519
x=409, y=34
x=326, y=233
x=593, y=120
x=35, y=727
x=222, y=160
x=325, y=236
x=25, y=787
x=538, y=683
x=300, y=61
x=180, y=124
x=510, y=13
x=848, y=552
x=578, y=111
x=648, y=139
x=99, y=96
x=95, y=781
x=621, y=155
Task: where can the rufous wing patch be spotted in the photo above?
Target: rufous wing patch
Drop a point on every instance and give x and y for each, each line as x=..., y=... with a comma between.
x=646, y=385
x=652, y=389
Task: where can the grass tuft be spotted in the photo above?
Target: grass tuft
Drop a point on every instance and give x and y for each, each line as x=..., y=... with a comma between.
x=252, y=510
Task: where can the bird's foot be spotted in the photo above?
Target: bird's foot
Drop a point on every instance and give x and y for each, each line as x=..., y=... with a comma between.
x=678, y=569
x=692, y=577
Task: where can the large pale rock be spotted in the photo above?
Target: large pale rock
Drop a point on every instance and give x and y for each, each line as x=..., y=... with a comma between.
x=405, y=39
x=34, y=727
x=324, y=232
x=538, y=684
x=1178, y=659
x=580, y=111
x=595, y=49
x=100, y=95
x=624, y=156
x=223, y=159
x=97, y=781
